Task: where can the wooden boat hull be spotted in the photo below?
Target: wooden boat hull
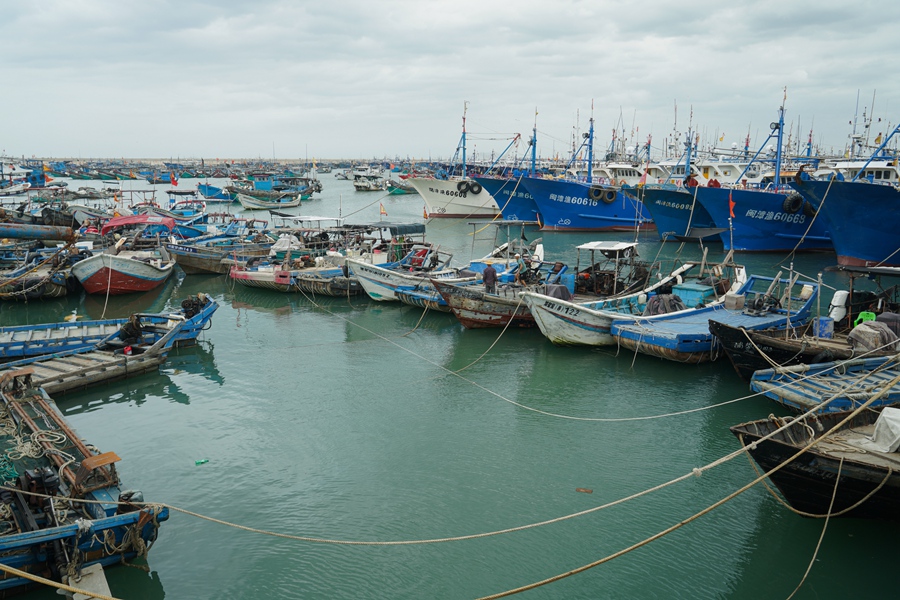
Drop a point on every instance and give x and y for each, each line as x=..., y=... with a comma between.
x=277, y=280
x=116, y=274
x=39, y=286
x=335, y=286
x=422, y=299
x=808, y=481
x=197, y=260
x=102, y=532
x=847, y=384
x=743, y=348
x=476, y=309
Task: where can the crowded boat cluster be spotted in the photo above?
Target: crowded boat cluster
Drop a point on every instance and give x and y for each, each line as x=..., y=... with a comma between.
x=836, y=368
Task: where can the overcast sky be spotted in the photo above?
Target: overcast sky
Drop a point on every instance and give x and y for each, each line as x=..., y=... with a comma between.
x=385, y=78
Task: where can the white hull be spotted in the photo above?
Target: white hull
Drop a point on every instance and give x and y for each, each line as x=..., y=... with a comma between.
x=588, y=324
x=251, y=203
x=380, y=283
x=444, y=199
x=569, y=324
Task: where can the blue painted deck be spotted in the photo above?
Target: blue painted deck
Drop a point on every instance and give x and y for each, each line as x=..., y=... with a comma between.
x=849, y=383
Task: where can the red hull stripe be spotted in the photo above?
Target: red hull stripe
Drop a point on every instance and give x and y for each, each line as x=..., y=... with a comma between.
x=119, y=283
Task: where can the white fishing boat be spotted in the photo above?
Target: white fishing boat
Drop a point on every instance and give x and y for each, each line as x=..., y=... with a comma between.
x=286, y=201
x=454, y=198
x=686, y=287
x=422, y=263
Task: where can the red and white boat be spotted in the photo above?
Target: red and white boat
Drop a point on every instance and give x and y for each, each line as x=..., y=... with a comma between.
x=124, y=272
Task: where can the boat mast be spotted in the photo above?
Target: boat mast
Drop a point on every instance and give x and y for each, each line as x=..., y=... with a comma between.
x=534, y=144
x=780, y=137
x=590, y=166
x=463, y=141
x=687, y=155
x=876, y=153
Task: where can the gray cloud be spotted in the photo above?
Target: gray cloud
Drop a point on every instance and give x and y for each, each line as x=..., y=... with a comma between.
x=352, y=78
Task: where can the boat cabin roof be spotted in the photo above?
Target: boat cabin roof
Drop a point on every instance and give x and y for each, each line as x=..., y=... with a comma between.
x=607, y=246
x=870, y=271
x=309, y=218
x=400, y=228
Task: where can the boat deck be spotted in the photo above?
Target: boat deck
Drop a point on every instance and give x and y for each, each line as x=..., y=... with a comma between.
x=75, y=369
x=15, y=340
x=843, y=444
x=803, y=387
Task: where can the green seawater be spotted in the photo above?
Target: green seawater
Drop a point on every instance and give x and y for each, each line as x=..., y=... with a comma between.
x=361, y=421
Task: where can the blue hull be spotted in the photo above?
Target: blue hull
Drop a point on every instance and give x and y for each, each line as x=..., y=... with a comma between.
x=514, y=200
x=761, y=223
x=863, y=218
x=566, y=205
x=24, y=341
x=687, y=338
x=803, y=387
x=674, y=211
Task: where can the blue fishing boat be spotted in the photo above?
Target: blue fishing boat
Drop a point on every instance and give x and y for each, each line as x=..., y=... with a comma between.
x=767, y=218
x=831, y=386
x=64, y=507
x=764, y=220
x=212, y=193
x=863, y=214
x=22, y=341
x=513, y=198
x=136, y=347
x=677, y=214
x=687, y=338
x=581, y=206
x=422, y=297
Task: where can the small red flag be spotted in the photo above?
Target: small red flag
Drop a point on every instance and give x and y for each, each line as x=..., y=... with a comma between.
x=730, y=205
x=173, y=178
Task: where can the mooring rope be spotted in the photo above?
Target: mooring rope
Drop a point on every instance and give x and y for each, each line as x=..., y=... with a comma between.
x=708, y=509
x=812, y=560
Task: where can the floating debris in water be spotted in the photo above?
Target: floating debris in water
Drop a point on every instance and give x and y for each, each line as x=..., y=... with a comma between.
x=584, y=490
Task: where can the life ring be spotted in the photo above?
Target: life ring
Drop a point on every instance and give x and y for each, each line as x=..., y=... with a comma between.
x=462, y=187
x=679, y=183
x=623, y=182
x=595, y=193
x=609, y=197
x=808, y=209
x=793, y=203
x=475, y=187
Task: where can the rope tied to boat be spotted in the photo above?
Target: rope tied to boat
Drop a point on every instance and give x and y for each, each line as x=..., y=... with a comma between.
x=53, y=271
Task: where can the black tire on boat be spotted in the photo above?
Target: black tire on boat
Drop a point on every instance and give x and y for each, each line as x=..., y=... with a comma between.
x=809, y=210
x=475, y=187
x=595, y=193
x=609, y=197
x=462, y=187
x=793, y=203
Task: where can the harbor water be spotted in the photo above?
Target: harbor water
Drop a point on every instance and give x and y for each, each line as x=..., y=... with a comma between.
x=344, y=420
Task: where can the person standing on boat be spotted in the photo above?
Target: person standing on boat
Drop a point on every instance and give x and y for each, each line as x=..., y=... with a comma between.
x=489, y=277
x=520, y=271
